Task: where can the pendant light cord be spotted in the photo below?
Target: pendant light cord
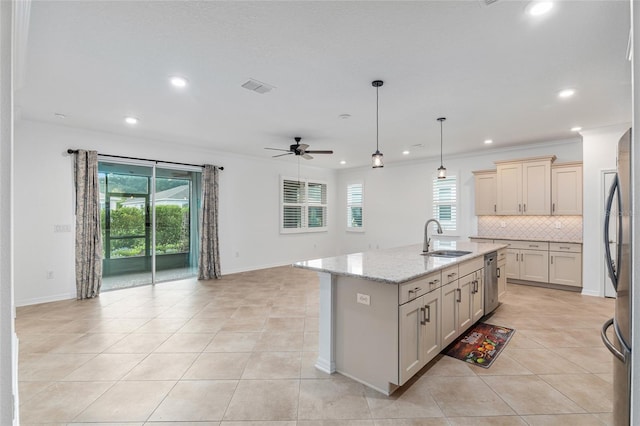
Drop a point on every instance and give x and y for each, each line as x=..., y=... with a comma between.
x=377, y=130
x=441, y=143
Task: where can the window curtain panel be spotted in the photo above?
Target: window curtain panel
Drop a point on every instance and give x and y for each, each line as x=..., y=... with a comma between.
x=209, y=264
x=88, y=237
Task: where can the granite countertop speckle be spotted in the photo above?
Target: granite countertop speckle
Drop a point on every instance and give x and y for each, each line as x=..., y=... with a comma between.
x=396, y=265
x=559, y=240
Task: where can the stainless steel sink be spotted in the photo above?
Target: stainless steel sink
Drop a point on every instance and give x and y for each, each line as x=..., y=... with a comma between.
x=446, y=253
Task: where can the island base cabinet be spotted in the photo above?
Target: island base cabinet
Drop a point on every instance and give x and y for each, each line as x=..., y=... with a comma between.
x=419, y=333
x=366, y=336
x=449, y=317
x=477, y=296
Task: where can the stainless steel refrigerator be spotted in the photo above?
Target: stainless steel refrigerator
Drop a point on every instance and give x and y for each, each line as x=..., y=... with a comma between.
x=618, y=260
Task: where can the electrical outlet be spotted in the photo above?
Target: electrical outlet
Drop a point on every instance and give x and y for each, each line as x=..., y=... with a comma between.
x=363, y=299
x=503, y=224
x=558, y=225
x=49, y=275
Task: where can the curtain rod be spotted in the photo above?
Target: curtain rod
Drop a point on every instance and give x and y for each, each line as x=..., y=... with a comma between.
x=75, y=151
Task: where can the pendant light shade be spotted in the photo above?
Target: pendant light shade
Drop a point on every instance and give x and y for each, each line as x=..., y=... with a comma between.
x=376, y=157
x=442, y=171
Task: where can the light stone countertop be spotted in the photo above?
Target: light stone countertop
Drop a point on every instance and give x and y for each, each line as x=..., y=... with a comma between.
x=550, y=240
x=397, y=265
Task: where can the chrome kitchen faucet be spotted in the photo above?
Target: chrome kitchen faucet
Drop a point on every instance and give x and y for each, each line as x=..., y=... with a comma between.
x=427, y=240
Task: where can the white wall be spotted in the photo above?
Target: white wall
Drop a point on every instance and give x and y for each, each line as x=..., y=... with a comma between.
x=599, y=154
x=398, y=197
x=249, y=206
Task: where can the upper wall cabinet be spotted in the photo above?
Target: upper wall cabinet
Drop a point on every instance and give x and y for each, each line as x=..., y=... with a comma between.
x=566, y=189
x=485, y=188
x=524, y=186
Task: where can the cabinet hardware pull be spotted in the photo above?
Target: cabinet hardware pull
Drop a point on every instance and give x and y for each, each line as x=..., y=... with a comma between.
x=519, y=207
x=417, y=289
x=498, y=273
x=553, y=207
x=525, y=208
x=565, y=248
x=459, y=295
x=533, y=245
x=423, y=320
x=495, y=208
x=436, y=281
x=428, y=308
x=516, y=257
x=552, y=260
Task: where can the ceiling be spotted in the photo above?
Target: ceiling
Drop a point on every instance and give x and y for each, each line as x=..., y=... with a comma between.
x=491, y=70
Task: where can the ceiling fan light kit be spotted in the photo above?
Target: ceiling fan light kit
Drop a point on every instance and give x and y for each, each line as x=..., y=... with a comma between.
x=376, y=157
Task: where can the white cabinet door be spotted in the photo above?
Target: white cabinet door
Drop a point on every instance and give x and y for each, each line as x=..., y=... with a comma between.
x=466, y=285
x=485, y=193
x=431, y=322
x=502, y=279
x=477, y=301
x=566, y=190
x=534, y=265
x=448, y=319
x=565, y=268
x=509, y=189
x=536, y=188
x=512, y=269
x=411, y=338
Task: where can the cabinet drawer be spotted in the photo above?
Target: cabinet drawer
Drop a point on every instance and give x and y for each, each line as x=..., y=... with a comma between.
x=566, y=247
x=529, y=245
x=450, y=274
x=416, y=288
x=470, y=266
x=502, y=255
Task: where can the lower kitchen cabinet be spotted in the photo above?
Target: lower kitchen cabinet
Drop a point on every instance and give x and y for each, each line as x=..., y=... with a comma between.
x=419, y=333
x=528, y=261
x=477, y=297
x=449, y=318
x=565, y=268
x=462, y=305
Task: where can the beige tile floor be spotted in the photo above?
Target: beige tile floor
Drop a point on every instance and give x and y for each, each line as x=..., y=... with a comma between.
x=240, y=352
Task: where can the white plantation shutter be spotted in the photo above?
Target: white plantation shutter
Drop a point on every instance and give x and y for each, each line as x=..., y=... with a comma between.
x=445, y=202
x=354, y=206
x=304, y=206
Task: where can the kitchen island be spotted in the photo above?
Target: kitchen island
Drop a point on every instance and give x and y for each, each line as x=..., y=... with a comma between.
x=384, y=314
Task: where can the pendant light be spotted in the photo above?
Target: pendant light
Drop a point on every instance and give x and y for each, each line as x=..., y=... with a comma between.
x=376, y=157
x=442, y=171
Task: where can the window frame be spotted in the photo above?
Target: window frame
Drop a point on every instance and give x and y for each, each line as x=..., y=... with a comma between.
x=350, y=228
x=450, y=228
x=305, y=206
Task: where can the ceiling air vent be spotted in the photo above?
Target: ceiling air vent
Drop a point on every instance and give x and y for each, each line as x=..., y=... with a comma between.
x=487, y=2
x=257, y=86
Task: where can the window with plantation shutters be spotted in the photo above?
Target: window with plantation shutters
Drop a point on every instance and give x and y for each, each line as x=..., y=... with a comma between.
x=445, y=202
x=304, y=206
x=354, y=207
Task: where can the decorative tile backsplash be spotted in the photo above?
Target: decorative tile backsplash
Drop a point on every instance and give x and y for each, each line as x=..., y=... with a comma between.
x=562, y=228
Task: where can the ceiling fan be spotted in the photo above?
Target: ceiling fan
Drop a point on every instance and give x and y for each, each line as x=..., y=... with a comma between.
x=299, y=149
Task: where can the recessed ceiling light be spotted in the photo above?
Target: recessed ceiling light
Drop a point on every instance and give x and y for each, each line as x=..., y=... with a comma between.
x=343, y=162
x=488, y=141
x=406, y=152
x=576, y=129
x=59, y=115
x=537, y=8
x=131, y=120
x=178, y=81
x=566, y=93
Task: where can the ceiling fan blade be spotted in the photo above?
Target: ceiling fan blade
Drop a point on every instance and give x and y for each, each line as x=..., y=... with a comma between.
x=302, y=147
x=278, y=149
x=281, y=155
x=319, y=152
x=307, y=156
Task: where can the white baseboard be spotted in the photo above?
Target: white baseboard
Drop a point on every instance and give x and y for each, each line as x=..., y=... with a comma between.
x=594, y=293
x=45, y=299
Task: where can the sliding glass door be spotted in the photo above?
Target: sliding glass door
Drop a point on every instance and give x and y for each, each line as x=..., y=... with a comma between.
x=149, y=223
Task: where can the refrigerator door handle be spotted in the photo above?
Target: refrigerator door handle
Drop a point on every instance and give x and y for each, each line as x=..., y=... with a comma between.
x=611, y=269
x=607, y=342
